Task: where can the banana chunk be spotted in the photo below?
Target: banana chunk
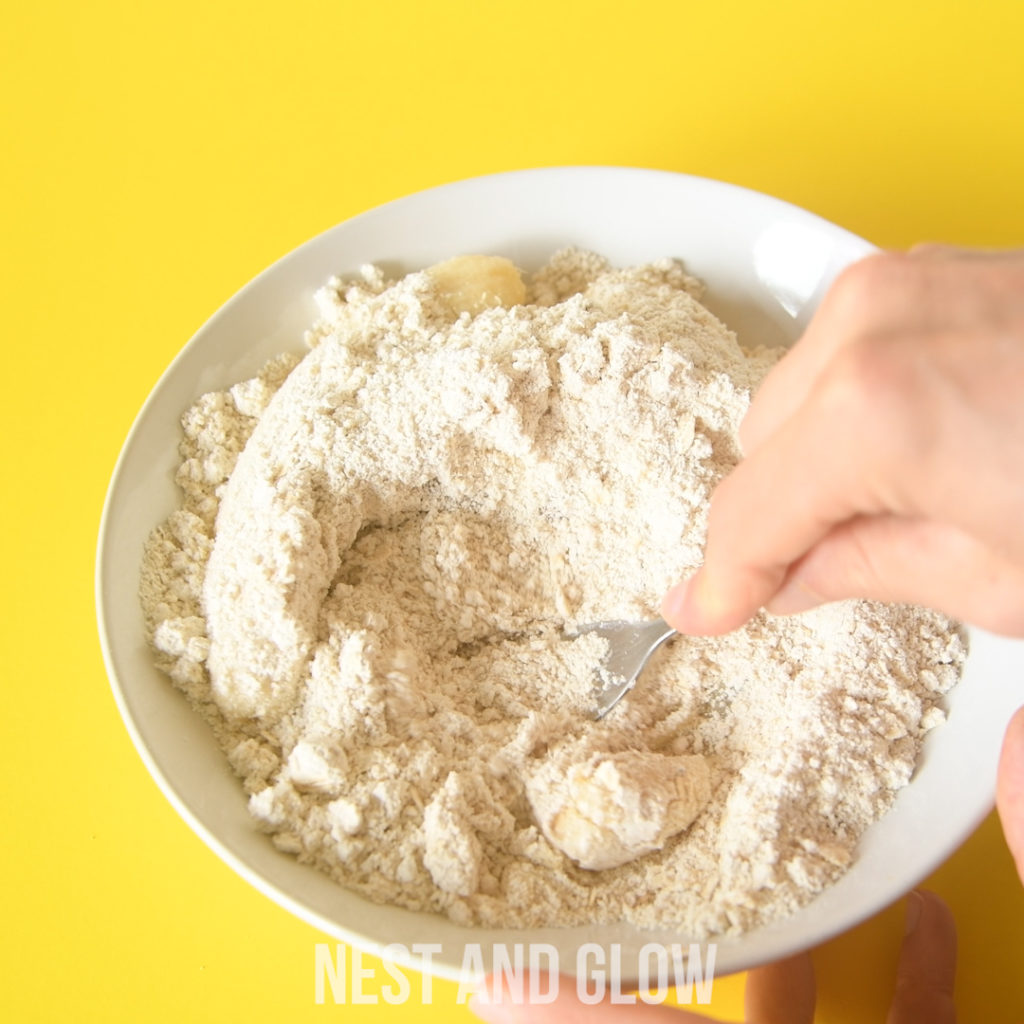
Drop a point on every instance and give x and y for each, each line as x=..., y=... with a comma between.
x=613, y=808
x=471, y=284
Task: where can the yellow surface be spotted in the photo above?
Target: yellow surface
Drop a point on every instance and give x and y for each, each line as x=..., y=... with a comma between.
x=156, y=156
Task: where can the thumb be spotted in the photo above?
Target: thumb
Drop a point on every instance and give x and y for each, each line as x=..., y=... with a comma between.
x=883, y=558
x=1010, y=789
x=892, y=558
x=927, y=964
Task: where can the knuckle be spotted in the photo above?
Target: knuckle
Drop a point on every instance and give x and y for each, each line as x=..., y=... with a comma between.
x=865, y=279
x=876, y=289
x=864, y=380
x=872, y=389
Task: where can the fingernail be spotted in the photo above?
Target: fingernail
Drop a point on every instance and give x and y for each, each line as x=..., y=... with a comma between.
x=794, y=597
x=673, y=606
x=697, y=607
x=915, y=904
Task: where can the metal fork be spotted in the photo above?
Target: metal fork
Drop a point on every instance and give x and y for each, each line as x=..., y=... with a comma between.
x=630, y=646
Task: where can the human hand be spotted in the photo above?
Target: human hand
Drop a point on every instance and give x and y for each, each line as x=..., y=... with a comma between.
x=781, y=993
x=884, y=454
x=885, y=459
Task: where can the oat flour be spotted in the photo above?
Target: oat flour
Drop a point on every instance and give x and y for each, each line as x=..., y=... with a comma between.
x=383, y=545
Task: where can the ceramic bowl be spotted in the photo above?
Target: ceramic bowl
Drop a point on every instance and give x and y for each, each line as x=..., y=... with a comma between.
x=766, y=265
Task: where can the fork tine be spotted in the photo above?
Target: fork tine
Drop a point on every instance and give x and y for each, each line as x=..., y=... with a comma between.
x=630, y=646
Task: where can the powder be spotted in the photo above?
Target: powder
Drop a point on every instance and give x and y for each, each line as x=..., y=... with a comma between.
x=383, y=551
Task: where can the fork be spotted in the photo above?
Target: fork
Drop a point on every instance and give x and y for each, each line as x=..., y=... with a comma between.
x=630, y=646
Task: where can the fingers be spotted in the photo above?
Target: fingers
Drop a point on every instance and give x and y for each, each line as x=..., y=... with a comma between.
x=781, y=993
x=932, y=288
x=791, y=380
x=911, y=560
x=1010, y=789
x=500, y=1007
x=927, y=965
x=886, y=558
x=894, y=427
x=812, y=475
x=879, y=296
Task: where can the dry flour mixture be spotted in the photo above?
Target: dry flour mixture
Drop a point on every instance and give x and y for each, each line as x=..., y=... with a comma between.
x=383, y=545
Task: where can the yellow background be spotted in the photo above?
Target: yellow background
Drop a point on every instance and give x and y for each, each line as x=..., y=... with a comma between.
x=156, y=156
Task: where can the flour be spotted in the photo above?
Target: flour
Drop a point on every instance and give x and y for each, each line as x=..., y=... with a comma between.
x=384, y=547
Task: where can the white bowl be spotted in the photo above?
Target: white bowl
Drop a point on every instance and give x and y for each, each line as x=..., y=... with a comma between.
x=766, y=265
